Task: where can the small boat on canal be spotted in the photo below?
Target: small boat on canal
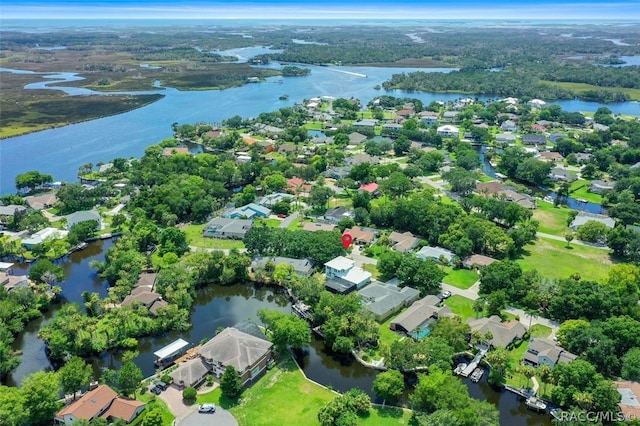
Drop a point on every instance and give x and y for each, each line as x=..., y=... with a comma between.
x=477, y=375
x=536, y=404
x=460, y=368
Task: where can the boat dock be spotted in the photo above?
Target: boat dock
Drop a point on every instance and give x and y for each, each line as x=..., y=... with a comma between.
x=473, y=364
x=169, y=354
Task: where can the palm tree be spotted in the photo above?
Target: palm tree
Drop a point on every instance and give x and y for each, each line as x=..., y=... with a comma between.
x=544, y=371
x=528, y=372
x=584, y=400
x=478, y=305
x=533, y=313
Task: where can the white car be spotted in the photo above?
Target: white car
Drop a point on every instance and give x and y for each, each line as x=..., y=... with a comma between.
x=207, y=408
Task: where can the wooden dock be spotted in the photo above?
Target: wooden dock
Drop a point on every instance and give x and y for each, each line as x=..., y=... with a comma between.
x=473, y=364
x=190, y=354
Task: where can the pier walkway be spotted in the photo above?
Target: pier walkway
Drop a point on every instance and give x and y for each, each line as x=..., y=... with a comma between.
x=474, y=363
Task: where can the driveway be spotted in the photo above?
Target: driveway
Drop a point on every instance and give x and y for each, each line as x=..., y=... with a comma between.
x=173, y=397
x=289, y=220
x=220, y=418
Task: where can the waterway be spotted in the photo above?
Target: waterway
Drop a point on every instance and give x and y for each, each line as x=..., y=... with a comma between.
x=61, y=151
x=223, y=306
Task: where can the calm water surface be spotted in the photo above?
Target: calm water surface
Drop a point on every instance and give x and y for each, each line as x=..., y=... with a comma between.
x=61, y=151
x=223, y=306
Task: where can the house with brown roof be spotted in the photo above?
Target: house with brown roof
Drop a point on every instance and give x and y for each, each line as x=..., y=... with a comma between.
x=170, y=151
x=361, y=236
x=476, y=261
x=41, y=201
x=551, y=156
x=101, y=402
x=147, y=279
x=629, y=398
x=12, y=282
x=190, y=373
x=403, y=242
x=419, y=315
x=504, y=333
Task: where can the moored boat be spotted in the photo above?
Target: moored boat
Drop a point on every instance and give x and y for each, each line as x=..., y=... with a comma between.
x=476, y=375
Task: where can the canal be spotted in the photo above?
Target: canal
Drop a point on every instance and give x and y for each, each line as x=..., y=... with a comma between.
x=223, y=306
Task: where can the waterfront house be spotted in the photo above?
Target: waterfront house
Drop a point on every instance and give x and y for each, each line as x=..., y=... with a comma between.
x=343, y=276
x=12, y=282
x=142, y=296
x=248, y=354
x=147, y=279
x=583, y=218
x=435, y=254
x=384, y=300
x=42, y=235
x=302, y=267
x=227, y=228
x=41, y=201
x=504, y=333
x=416, y=319
x=191, y=373
x=545, y=351
x=599, y=186
x=83, y=216
x=403, y=242
x=559, y=173
x=170, y=151
x=101, y=402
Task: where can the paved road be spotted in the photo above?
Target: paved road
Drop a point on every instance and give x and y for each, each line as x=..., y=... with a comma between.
x=289, y=220
x=576, y=242
x=226, y=251
x=220, y=418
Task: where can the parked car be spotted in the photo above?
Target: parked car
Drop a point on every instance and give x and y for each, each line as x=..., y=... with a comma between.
x=207, y=408
x=162, y=385
x=156, y=390
x=282, y=216
x=446, y=294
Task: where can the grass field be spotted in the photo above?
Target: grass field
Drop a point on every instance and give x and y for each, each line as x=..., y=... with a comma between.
x=270, y=401
x=634, y=94
x=461, y=278
x=580, y=189
x=272, y=223
x=553, y=259
x=195, y=238
x=461, y=306
x=553, y=220
x=152, y=402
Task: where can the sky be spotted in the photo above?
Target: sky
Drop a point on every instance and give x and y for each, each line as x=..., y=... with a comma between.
x=619, y=10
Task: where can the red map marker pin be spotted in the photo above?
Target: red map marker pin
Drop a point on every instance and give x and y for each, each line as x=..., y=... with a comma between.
x=346, y=240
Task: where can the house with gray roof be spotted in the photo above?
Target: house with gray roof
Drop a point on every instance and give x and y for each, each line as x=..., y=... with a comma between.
x=336, y=214
x=584, y=217
x=403, y=242
x=302, y=267
x=599, y=186
x=356, y=138
x=271, y=199
x=225, y=228
x=190, y=374
x=384, y=300
x=435, y=254
x=419, y=315
x=83, y=216
x=249, y=211
x=533, y=139
x=545, y=351
x=504, y=333
x=365, y=123
x=248, y=354
x=361, y=158
x=391, y=127
x=505, y=138
x=12, y=282
x=337, y=172
x=12, y=209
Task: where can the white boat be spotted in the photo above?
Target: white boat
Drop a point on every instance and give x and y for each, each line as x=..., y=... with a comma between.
x=476, y=375
x=536, y=404
x=460, y=368
x=556, y=413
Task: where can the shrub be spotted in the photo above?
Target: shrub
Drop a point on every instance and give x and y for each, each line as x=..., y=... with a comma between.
x=189, y=394
x=165, y=379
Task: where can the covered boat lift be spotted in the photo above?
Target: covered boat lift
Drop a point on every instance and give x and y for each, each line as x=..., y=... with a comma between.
x=169, y=353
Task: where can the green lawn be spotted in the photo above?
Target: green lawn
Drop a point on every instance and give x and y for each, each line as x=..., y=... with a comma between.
x=539, y=330
x=295, y=223
x=461, y=306
x=461, y=278
x=580, y=189
x=195, y=238
x=272, y=223
x=152, y=401
x=373, y=269
x=553, y=220
x=553, y=259
x=284, y=397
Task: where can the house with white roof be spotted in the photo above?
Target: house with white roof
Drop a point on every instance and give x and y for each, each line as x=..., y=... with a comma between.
x=448, y=131
x=435, y=253
x=43, y=235
x=583, y=218
x=343, y=276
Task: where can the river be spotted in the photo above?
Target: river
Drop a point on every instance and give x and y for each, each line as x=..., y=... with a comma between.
x=62, y=150
x=223, y=306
